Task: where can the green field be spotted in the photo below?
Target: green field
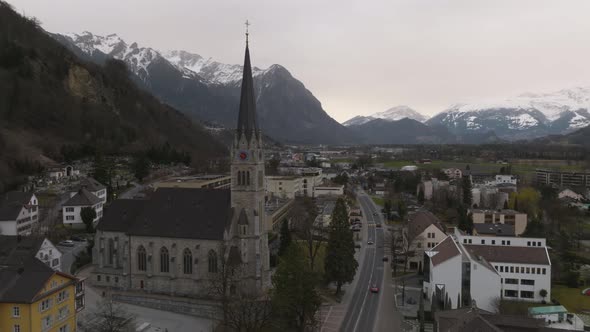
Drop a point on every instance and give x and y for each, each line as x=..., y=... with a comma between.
x=378, y=200
x=571, y=298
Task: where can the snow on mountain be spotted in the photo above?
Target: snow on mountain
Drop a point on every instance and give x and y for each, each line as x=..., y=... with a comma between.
x=399, y=112
x=393, y=114
x=212, y=71
x=529, y=114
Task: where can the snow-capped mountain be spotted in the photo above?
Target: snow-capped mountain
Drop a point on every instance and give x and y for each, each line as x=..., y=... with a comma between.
x=393, y=114
x=208, y=90
x=526, y=116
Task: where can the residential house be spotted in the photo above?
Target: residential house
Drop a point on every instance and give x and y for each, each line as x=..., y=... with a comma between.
x=510, y=217
x=72, y=208
x=93, y=186
x=453, y=173
x=423, y=232
x=22, y=247
x=19, y=213
x=33, y=295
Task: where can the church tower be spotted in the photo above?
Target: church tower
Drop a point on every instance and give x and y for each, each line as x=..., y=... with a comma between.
x=247, y=187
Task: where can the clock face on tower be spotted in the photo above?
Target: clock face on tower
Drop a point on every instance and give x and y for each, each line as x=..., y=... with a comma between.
x=243, y=155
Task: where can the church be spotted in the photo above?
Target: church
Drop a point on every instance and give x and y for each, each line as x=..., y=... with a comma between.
x=176, y=241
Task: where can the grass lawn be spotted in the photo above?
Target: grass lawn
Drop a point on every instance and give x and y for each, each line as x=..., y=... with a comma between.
x=571, y=298
x=378, y=200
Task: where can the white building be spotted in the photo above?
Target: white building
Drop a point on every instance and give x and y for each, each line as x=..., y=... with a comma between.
x=72, y=208
x=56, y=173
x=19, y=213
x=20, y=247
x=335, y=190
x=517, y=219
x=95, y=187
x=409, y=168
x=505, y=179
x=453, y=173
x=284, y=186
x=490, y=268
x=431, y=186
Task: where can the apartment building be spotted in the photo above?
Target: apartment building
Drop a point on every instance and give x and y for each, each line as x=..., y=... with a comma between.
x=510, y=217
x=562, y=179
x=19, y=213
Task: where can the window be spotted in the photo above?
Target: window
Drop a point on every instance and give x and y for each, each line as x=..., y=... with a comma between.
x=502, y=268
x=539, y=243
x=527, y=294
x=116, y=280
x=528, y=243
x=64, y=328
x=141, y=259
x=70, y=217
x=518, y=269
x=98, y=278
x=63, y=313
x=187, y=261
x=508, y=242
x=496, y=267
x=528, y=270
x=61, y=296
x=212, y=261
x=493, y=241
x=464, y=240
x=44, y=305
x=16, y=328
x=510, y=293
x=512, y=269
x=15, y=311
x=527, y=282
x=544, y=271
x=483, y=241
x=538, y=270
x=46, y=322
x=69, y=209
x=418, y=244
x=111, y=244
x=470, y=241
x=247, y=178
x=164, y=260
x=511, y=281
x=503, y=242
x=55, y=262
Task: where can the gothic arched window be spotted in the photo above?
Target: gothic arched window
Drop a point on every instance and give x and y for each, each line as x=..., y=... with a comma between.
x=248, y=178
x=141, y=260
x=187, y=261
x=164, y=260
x=240, y=178
x=212, y=261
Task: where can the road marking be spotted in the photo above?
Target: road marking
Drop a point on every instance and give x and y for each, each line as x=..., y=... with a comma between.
x=366, y=293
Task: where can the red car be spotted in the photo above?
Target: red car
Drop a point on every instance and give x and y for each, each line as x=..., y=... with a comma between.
x=374, y=288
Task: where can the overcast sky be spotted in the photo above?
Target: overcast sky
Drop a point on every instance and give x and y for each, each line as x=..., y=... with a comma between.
x=361, y=57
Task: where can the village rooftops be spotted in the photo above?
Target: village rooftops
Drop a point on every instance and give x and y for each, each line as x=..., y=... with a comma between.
x=82, y=198
x=420, y=221
x=510, y=254
x=12, y=203
x=494, y=229
x=444, y=251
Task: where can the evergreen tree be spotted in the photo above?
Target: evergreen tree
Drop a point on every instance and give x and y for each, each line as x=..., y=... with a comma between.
x=285, y=237
x=88, y=214
x=340, y=265
x=467, y=194
x=421, y=196
x=141, y=167
x=401, y=209
x=294, y=296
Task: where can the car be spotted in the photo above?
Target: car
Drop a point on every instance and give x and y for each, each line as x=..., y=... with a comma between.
x=370, y=242
x=77, y=239
x=66, y=243
x=385, y=259
x=374, y=288
x=378, y=226
x=375, y=213
x=358, y=245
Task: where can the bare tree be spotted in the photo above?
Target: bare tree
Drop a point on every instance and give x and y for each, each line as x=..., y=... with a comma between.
x=109, y=316
x=243, y=308
x=304, y=222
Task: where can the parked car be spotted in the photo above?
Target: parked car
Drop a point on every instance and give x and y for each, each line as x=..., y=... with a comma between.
x=357, y=245
x=378, y=226
x=77, y=238
x=385, y=259
x=370, y=242
x=66, y=243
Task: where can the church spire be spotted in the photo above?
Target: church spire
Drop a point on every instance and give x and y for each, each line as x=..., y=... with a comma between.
x=247, y=123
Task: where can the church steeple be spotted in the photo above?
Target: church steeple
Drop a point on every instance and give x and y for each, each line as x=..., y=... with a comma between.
x=247, y=123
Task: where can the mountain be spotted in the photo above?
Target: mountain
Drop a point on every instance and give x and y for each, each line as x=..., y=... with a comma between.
x=50, y=98
x=526, y=116
x=209, y=91
x=580, y=137
x=392, y=114
x=404, y=131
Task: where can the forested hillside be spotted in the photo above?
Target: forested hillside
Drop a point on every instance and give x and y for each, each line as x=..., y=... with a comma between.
x=49, y=98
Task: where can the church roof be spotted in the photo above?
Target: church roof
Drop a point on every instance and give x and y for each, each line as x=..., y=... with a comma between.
x=247, y=122
x=192, y=213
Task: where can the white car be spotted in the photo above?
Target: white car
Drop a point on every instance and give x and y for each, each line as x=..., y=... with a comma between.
x=370, y=242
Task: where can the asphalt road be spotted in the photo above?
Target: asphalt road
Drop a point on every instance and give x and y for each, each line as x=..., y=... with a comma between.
x=364, y=305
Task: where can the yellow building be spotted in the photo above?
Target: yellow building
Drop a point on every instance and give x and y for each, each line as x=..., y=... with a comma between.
x=34, y=297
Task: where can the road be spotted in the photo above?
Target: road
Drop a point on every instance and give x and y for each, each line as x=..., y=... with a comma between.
x=364, y=306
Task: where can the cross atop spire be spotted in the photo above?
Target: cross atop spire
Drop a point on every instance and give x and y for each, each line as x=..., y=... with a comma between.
x=247, y=33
